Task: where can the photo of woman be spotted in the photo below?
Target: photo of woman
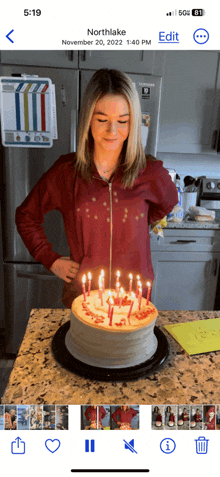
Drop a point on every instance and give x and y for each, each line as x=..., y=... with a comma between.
x=108, y=192
x=92, y=417
x=196, y=417
x=125, y=417
x=157, y=417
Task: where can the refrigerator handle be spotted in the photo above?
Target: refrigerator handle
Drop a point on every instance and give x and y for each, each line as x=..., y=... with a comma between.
x=218, y=142
x=73, y=123
x=43, y=276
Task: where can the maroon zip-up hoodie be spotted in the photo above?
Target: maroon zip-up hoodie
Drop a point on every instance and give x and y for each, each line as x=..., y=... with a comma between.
x=124, y=416
x=91, y=413
x=107, y=227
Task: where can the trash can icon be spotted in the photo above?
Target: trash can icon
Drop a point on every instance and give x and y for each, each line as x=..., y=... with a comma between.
x=201, y=445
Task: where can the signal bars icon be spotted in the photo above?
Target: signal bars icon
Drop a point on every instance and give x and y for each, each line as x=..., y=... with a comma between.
x=172, y=13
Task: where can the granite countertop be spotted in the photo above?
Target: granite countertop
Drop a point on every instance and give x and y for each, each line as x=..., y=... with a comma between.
x=193, y=224
x=37, y=378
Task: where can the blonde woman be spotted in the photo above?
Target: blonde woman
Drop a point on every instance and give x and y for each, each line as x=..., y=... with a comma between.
x=108, y=193
x=123, y=417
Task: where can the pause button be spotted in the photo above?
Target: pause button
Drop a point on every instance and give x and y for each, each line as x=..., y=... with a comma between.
x=91, y=447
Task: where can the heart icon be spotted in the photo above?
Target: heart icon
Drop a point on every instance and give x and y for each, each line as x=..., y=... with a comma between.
x=52, y=445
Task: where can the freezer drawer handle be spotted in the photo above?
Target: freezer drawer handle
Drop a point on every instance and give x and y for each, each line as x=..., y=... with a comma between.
x=214, y=139
x=215, y=267
x=184, y=241
x=43, y=276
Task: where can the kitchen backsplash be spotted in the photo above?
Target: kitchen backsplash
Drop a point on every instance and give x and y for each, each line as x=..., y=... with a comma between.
x=192, y=164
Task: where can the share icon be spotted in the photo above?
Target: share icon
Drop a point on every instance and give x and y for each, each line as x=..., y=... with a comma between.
x=130, y=445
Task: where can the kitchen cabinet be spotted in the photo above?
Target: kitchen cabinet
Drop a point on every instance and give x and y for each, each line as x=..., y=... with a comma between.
x=54, y=58
x=139, y=61
x=189, y=113
x=186, y=265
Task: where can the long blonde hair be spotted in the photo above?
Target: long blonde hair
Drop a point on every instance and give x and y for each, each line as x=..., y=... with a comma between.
x=108, y=81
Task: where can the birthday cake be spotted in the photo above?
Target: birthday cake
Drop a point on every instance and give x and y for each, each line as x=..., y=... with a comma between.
x=112, y=332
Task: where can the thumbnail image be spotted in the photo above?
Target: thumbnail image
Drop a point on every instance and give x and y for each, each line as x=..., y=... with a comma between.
x=124, y=417
x=196, y=413
x=106, y=419
x=36, y=417
x=157, y=420
x=49, y=416
x=23, y=417
x=10, y=417
x=218, y=417
x=95, y=417
x=183, y=417
x=170, y=417
x=62, y=422
x=2, y=412
x=209, y=417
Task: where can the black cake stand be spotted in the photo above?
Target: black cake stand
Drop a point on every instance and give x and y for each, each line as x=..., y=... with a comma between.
x=65, y=358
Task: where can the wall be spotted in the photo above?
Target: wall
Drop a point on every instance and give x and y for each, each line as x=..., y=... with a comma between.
x=192, y=164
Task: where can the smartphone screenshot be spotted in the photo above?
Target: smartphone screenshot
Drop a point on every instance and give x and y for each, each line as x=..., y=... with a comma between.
x=110, y=239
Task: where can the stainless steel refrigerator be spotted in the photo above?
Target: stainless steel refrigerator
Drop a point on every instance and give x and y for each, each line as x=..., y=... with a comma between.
x=24, y=283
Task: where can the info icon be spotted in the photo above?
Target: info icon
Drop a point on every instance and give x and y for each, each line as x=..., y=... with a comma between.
x=167, y=445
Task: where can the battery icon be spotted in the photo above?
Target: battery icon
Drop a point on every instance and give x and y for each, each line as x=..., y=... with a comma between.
x=198, y=12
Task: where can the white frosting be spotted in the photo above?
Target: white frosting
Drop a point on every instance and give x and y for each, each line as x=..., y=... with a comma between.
x=107, y=346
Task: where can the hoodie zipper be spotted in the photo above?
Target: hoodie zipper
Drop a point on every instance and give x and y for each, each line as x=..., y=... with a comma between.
x=111, y=228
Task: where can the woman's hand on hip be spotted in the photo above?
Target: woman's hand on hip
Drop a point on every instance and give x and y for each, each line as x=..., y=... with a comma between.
x=65, y=268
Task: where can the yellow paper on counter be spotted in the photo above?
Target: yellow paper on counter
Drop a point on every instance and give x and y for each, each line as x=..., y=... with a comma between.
x=197, y=337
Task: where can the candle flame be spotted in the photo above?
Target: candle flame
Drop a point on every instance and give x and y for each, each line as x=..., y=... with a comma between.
x=89, y=276
x=130, y=276
x=84, y=279
x=122, y=290
x=118, y=284
x=148, y=284
x=100, y=281
x=118, y=274
x=102, y=273
x=111, y=301
x=133, y=295
x=138, y=277
x=109, y=293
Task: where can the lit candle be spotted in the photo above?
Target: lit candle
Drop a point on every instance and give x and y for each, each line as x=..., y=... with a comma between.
x=148, y=292
x=109, y=307
x=137, y=289
x=130, y=283
x=117, y=279
x=129, y=313
x=89, y=284
x=121, y=298
x=103, y=280
x=111, y=317
x=100, y=287
x=83, y=287
x=140, y=296
x=117, y=289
